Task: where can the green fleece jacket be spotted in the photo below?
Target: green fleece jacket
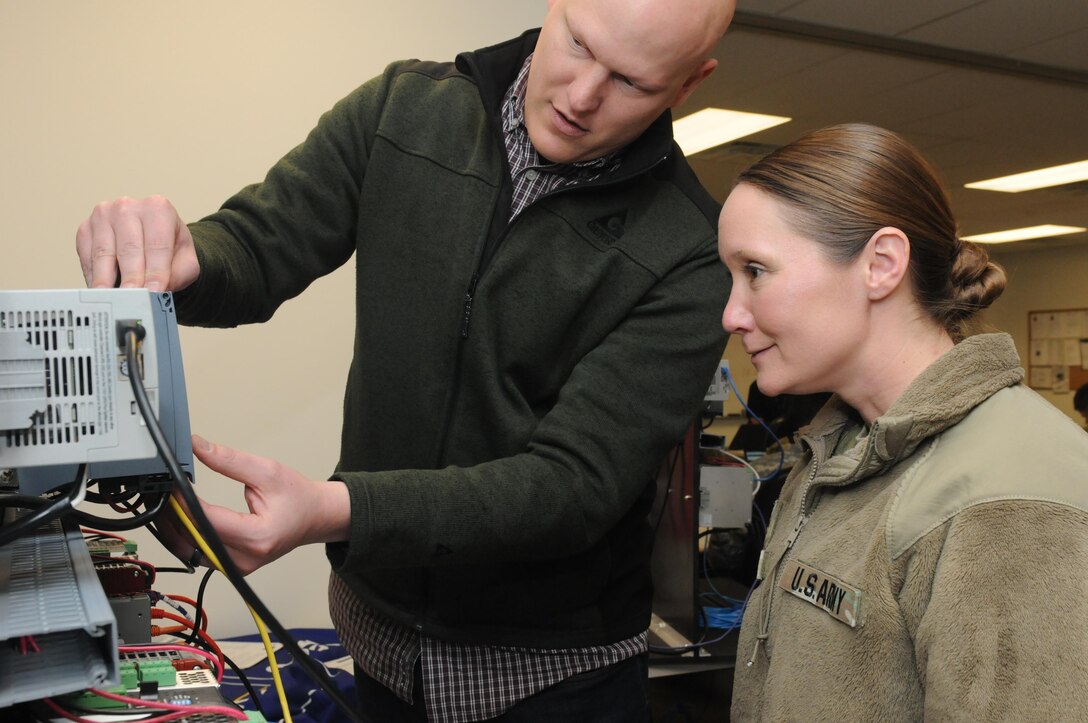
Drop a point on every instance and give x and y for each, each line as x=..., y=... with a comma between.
x=515, y=386
x=934, y=568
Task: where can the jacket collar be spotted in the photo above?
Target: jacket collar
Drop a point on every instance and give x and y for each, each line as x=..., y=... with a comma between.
x=494, y=68
x=942, y=395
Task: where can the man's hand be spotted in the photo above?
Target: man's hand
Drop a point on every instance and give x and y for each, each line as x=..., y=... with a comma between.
x=143, y=239
x=285, y=508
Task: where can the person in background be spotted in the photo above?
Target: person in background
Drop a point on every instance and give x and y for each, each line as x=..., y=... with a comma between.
x=536, y=318
x=1080, y=402
x=926, y=557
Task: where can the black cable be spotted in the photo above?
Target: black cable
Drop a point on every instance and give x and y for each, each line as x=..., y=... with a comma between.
x=123, y=524
x=698, y=645
x=105, y=498
x=153, y=528
x=708, y=417
x=677, y=451
x=198, y=614
x=148, y=713
x=34, y=712
x=202, y=644
x=236, y=670
x=234, y=575
x=28, y=502
x=44, y=515
x=245, y=682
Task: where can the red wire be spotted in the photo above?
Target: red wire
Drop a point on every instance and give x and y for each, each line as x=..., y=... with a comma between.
x=186, y=709
x=173, y=715
x=192, y=603
x=88, y=531
x=157, y=613
x=65, y=714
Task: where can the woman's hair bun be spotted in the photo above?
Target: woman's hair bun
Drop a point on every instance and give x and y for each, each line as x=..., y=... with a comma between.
x=975, y=281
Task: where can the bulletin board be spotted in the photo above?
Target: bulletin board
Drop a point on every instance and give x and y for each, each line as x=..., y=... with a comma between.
x=1058, y=340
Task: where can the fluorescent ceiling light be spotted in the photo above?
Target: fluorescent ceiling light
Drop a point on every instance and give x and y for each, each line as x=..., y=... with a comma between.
x=711, y=127
x=1020, y=234
x=1042, y=178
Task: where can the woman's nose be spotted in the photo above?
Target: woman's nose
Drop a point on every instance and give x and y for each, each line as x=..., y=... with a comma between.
x=736, y=318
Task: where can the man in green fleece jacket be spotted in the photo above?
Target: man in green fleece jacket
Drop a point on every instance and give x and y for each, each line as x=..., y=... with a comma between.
x=537, y=313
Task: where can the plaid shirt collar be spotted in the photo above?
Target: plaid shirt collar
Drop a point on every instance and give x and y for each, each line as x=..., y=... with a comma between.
x=513, y=128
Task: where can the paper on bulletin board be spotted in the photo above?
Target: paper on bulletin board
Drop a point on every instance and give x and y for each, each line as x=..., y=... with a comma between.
x=1058, y=349
x=1061, y=380
x=1046, y=352
x=1059, y=324
x=1042, y=377
x=1054, y=378
x=1042, y=325
x=1071, y=356
x=1068, y=324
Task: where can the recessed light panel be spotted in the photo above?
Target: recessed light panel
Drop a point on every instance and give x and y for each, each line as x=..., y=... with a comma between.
x=711, y=127
x=1031, y=180
x=1021, y=234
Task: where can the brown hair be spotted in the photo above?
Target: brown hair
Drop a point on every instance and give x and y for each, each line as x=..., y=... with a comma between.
x=843, y=183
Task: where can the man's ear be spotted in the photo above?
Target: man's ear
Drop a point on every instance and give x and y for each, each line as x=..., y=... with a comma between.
x=697, y=76
x=887, y=259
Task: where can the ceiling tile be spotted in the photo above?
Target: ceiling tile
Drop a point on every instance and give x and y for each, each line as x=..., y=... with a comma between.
x=971, y=123
x=1002, y=27
x=884, y=18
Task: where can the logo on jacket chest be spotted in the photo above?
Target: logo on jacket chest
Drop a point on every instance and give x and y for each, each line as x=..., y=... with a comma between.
x=609, y=229
x=833, y=596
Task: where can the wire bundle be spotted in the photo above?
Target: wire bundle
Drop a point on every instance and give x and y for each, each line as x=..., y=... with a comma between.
x=723, y=618
x=144, y=508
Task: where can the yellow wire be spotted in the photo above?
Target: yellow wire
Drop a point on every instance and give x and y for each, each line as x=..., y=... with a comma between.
x=203, y=545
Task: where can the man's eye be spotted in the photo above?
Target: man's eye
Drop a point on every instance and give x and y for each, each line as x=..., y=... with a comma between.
x=576, y=42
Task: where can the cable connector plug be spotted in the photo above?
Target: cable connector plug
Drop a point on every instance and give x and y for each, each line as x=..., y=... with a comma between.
x=124, y=326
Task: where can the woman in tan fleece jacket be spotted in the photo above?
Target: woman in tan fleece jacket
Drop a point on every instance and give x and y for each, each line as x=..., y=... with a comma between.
x=928, y=558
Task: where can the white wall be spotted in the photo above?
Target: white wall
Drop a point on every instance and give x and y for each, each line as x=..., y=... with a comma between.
x=194, y=100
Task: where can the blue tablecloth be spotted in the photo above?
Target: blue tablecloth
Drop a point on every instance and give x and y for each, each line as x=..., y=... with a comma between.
x=307, y=701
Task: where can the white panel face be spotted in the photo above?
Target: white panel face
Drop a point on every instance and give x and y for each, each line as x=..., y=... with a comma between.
x=725, y=497
x=65, y=396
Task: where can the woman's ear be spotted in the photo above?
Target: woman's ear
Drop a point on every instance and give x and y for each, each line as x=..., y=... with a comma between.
x=887, y=256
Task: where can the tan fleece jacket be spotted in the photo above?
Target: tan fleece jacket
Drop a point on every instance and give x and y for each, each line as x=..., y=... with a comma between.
x=934, y=567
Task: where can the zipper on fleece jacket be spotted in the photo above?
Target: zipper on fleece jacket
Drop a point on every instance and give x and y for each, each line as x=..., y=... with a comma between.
x=468, y=299
x=466, y=310
x=765, y=608
x=765, y=617
x=487, y=253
